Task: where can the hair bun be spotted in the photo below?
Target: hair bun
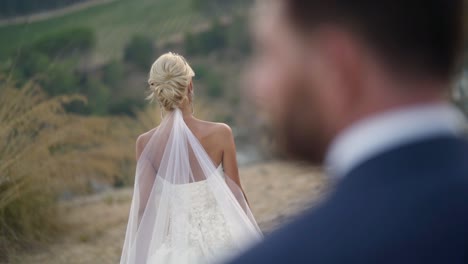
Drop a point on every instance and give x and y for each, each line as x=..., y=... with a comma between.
x=169, y=78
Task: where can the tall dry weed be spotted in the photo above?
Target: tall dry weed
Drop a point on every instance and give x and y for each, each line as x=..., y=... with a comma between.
x=45, y=151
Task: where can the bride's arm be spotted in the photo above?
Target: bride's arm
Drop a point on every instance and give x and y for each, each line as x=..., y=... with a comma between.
x=230, y=160
x=145, y=180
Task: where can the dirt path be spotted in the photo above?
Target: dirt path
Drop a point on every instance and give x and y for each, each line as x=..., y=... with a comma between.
x=96, y=225
x=52, y=13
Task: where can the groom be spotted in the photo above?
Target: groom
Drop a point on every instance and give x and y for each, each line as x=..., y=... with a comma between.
x=361, y=87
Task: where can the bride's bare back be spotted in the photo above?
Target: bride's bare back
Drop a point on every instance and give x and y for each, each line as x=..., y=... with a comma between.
x=216, y=139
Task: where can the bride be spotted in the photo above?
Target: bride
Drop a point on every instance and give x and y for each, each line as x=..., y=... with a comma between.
x=188, y=205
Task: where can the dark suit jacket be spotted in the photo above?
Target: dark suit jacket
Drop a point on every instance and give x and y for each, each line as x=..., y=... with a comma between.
x=407, y=205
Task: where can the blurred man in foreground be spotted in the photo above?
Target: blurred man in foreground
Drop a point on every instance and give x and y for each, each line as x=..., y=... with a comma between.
x=360, y=86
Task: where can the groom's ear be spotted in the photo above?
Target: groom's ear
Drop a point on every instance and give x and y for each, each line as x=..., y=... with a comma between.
x=347, y=55
x=339, y=60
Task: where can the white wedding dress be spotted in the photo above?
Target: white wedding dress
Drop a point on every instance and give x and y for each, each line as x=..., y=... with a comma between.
x=184, y=209
x=209, y=237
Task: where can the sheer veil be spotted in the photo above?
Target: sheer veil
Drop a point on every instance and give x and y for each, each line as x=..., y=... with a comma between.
x=172, y=158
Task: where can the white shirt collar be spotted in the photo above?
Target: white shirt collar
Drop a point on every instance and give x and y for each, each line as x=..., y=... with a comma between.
x=380, y=133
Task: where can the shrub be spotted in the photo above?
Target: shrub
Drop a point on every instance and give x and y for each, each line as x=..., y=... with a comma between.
x=192, y=44
x=126, y=106
x=210, y=80
x=237, y=35
x=139, y=52
x=113, y=74
x=206, y=42
x=215, y=86
x=52, y=61
x=66, y=43
x=99, y=97
x=200, y=71
x=30, y=63
x=59, y=79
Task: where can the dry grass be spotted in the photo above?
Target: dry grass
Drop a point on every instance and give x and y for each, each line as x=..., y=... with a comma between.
x=44, y=151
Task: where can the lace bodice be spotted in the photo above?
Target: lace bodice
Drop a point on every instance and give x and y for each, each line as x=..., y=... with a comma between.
x=206, y=222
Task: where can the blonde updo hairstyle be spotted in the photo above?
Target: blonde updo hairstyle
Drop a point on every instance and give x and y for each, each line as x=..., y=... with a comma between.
x=169, y=79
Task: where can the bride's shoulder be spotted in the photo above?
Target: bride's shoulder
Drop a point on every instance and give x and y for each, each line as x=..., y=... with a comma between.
x=147, y=135
x=143, y=139
x=224, y=129
x=215, y=128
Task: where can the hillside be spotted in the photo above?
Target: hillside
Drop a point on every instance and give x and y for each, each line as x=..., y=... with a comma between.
x=104, y=51
x=114, y=23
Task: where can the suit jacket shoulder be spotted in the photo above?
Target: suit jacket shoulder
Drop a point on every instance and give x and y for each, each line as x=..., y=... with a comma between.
x=408, y=205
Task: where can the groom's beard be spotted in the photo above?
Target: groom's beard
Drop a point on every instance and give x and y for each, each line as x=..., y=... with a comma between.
x=301, y=132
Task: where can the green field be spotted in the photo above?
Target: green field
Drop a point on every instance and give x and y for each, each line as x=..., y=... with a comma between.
x=114, y=23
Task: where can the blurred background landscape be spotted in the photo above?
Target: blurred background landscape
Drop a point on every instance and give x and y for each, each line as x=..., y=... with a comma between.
x=73, y=77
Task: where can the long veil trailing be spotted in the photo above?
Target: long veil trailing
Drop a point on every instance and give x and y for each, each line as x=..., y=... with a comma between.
x=161, y=210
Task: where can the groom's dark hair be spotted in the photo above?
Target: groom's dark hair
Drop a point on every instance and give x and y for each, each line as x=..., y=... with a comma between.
x=422, y=36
